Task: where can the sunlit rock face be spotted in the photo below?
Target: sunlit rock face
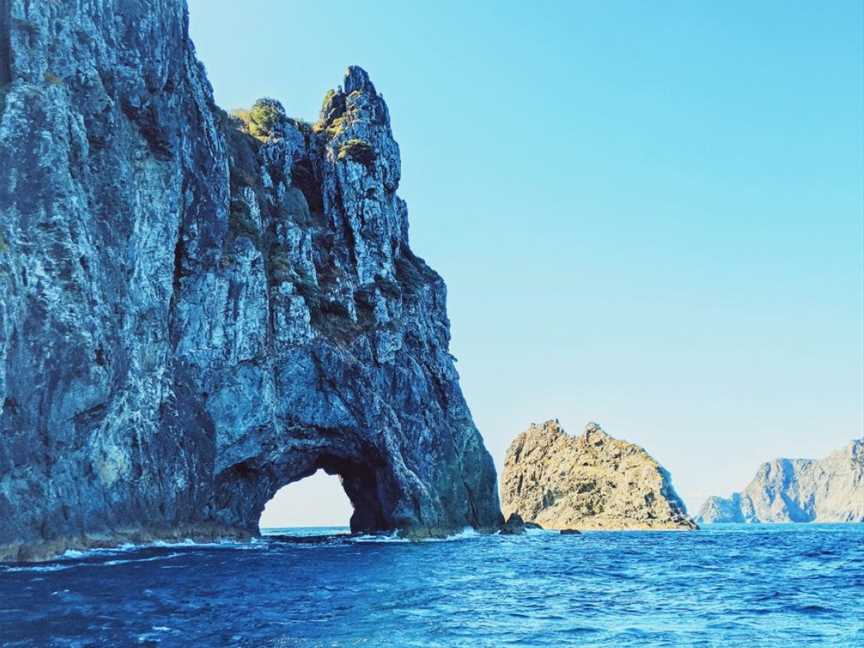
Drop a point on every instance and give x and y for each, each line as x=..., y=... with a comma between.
x=197, y=309
x=798, y=490
x=590, y=481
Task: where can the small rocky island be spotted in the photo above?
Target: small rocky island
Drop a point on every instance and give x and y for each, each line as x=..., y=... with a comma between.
x=590, y=481
x=798, y=490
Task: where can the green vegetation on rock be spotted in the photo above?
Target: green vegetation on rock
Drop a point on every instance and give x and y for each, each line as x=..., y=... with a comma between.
x=261, y=120
x=357, y=150
x=331, y=129
x=328, y=97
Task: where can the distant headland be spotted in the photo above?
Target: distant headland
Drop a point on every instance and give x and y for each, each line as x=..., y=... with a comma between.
x=798, y=490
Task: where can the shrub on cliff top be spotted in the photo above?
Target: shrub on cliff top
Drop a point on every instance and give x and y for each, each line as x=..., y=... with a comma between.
x=261, y=120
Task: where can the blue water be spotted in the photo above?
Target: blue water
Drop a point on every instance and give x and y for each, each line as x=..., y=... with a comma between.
x=722, y=586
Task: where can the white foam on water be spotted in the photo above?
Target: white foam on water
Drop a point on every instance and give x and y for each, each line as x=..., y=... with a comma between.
x=35, y=568
x=530, y=531
x=185, y=542
x=368, y=537
x=465, y=534
x=55, y=567
x=73, y=553
x=147, y=636
x=252, y=543
x=69, y=559
x=109, y=563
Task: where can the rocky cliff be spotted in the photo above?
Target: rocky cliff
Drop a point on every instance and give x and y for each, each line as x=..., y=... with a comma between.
x=798, y=490
x=198, y=309
x=590, y=481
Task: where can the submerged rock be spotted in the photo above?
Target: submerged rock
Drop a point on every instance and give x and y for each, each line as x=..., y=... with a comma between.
x=798, y=490
x=515, y=525
x=198, y=309
x=590, y=481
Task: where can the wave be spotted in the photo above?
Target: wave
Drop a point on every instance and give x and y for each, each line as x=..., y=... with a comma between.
x=72, y=558
x=465, y=534
x=110, y=563
x=251, y=543
x=531, y=531
x=369, y=537
x=56, y=567
x=35, y=568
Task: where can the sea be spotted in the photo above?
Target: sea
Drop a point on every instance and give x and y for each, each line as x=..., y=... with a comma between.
x=725, y=585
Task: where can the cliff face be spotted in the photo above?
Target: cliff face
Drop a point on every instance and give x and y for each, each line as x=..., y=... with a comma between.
x=590, y=481
x=193, y=316
x=798, y=490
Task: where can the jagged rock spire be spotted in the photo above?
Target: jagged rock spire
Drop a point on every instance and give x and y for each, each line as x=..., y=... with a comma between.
x=357, y=79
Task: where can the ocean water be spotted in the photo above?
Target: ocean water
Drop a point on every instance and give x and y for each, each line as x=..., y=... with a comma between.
x=785, y=585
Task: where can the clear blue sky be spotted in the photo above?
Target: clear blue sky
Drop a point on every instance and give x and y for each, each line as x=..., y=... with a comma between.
x=650, y=215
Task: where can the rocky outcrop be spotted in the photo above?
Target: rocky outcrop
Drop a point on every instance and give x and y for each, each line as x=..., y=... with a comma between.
x=590, y=481
x=798, y=490
x=197, y=310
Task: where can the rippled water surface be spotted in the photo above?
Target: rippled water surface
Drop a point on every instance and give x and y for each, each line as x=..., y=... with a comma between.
x=722, y=586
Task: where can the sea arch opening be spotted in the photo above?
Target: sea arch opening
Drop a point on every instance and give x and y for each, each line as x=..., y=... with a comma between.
x=245, y=489
x=316, y=501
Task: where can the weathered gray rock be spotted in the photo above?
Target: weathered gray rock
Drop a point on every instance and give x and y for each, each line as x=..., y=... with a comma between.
x=191, y=316
x=798, y=490
x=515, y=525
x=590, y=481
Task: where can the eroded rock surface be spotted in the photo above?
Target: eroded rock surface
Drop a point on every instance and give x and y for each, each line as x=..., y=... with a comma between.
x=798, y=490
x=590, y=481
x=196, y=311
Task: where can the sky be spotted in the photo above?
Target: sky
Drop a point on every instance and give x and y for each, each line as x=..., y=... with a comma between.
x=649, y=215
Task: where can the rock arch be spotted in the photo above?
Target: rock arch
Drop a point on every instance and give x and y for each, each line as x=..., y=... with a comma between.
x=243, y=491
x=195, y=312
